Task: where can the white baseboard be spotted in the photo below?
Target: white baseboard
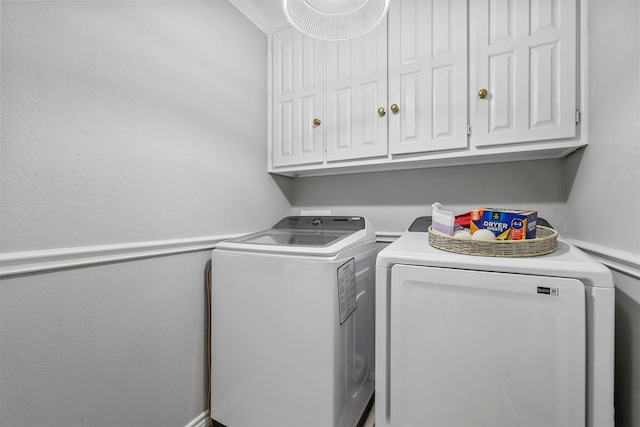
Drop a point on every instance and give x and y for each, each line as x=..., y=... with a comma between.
x=14, y=263
x=201, y=420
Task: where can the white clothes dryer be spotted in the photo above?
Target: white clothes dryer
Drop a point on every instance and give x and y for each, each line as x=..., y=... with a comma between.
x=483, y=341
x=292, y=324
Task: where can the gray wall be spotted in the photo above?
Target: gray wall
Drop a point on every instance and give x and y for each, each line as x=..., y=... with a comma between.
x=392, y=200
x=110, y=345
x=131, y=121
x=123, y=123
x=604, y=180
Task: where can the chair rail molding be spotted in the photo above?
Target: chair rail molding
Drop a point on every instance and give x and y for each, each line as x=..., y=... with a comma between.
x=622, y=262
x=16, y=263
x=387, y=236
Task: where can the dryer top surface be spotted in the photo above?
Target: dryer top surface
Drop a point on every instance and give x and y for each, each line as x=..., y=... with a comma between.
x=413, y=248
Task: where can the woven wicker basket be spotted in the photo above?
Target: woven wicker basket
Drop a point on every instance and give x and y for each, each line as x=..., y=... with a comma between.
x=546, y=242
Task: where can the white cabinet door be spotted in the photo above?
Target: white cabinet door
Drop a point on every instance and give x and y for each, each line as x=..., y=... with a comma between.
x=297, y=99
x=486, y=349
x=428, y=75
x=523, y=53
x=356, y=72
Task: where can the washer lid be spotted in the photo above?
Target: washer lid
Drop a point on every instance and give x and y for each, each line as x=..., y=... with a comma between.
x=322, y=223
x=412, y=248
x=307, y=235
x=275, y=237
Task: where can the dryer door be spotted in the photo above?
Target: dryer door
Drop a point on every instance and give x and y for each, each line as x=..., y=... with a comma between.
x=475, y=348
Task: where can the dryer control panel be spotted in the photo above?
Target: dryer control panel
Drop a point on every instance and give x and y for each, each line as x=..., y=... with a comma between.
x=341, y=223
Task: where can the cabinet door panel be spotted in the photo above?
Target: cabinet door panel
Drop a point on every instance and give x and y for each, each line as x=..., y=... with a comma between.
x=308, y=106
x=428, y=75
x=412, y=108
x=356, y=88
x=341, y=132
x=297, y=99
x=370, y=135
x=285, y=128
x=544, y=88
x=544, y=15
x=524, y=55
x=501, y=75
x=442, y=117
x=502, y=21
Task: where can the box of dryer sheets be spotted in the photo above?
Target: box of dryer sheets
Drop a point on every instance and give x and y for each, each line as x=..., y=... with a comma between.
x=506, y=224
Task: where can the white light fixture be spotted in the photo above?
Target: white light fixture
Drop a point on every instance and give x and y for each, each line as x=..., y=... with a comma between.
x=335, y=19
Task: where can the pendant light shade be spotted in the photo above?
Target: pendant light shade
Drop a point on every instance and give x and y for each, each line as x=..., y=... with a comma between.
x=335, y=19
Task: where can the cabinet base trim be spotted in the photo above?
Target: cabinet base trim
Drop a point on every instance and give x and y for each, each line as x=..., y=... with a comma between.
x=420, y=161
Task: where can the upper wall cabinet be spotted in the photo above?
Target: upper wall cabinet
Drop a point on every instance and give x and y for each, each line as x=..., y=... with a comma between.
x=441, y=82
x=523, y=70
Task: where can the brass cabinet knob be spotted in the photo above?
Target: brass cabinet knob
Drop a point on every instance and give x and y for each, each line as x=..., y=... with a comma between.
x=482, y=93
x=317, y=122
x=394, y=108
x=381, y=112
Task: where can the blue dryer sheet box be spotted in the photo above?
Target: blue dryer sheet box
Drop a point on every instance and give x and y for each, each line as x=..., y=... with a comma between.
x=506, y=224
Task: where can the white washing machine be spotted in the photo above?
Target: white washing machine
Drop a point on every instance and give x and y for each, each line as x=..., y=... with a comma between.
x=292, y=324
x=481, y=341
